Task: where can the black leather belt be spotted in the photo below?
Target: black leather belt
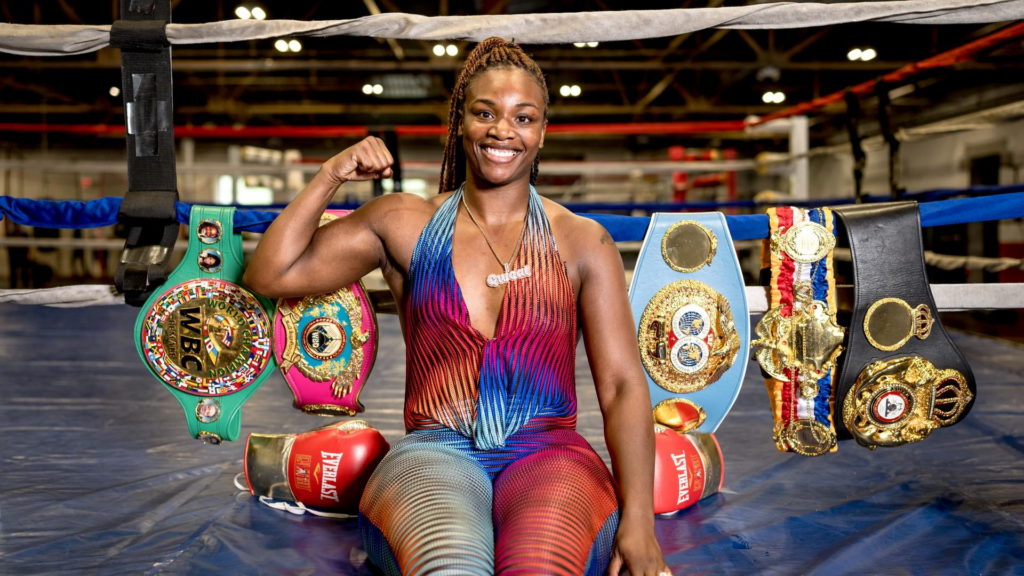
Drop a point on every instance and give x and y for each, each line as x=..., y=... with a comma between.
x=901, y=375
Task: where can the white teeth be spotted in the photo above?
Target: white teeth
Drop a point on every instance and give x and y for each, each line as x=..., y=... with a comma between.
x=499, y=152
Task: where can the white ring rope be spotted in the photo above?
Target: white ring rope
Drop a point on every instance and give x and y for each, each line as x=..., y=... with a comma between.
x=78, y=296
x=64, y=40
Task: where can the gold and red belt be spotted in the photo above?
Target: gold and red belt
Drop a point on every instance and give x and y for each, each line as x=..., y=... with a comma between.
x=798, y=339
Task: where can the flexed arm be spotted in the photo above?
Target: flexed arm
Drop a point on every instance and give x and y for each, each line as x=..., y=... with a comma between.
x=295, y=257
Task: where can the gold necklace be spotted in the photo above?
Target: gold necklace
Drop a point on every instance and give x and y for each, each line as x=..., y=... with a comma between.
x=496, y=280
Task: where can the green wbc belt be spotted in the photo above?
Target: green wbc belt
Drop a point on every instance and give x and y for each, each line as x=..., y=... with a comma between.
x=206, y=337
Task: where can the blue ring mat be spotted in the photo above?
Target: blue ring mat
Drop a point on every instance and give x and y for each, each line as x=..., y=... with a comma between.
x=98, y=474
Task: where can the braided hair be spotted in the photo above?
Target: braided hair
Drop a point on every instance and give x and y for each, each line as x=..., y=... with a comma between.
x=490, y=54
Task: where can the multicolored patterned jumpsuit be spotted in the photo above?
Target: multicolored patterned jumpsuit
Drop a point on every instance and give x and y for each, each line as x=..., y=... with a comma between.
x=492, y=477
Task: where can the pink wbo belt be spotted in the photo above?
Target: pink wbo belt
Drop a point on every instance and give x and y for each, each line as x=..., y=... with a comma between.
x=325, y=345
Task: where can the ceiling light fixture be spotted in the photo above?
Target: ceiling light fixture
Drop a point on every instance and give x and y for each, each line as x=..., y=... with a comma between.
x=367, y=89
x=243, y=13
x=438, y=50
x=378, y=89
x=575, y=90
x=564, y=90
x=115, y=91
x=452, y=50
x=259, y=13
x=295, y=45
x=592, y=44
x=281, y=45
x=862, y=54
x=580, y=44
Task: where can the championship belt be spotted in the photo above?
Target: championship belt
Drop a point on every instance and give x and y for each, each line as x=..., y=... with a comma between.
x=325, y=346
x=798, y=338
x=688, y=297
x=207, y=338
x=902, y=376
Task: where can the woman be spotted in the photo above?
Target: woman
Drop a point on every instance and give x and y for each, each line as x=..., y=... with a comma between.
x=490, y=278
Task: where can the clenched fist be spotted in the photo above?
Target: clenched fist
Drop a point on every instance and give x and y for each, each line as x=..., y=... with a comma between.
x=369, y=159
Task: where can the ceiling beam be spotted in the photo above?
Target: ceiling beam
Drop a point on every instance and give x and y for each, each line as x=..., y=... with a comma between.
x=806, y=42
x=669, y=78
x=760, y=52
x=656, y=91
x=69, y=12
x=620, y=87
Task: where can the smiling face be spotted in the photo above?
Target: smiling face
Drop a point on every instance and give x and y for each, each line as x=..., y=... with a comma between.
x=502, y=126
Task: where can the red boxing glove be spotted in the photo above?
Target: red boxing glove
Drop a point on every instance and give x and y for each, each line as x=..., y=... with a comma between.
x=687, y=468
x=326, y=468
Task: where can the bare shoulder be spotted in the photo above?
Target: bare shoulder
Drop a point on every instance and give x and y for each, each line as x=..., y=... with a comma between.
x=577, y=233
x=583, y=244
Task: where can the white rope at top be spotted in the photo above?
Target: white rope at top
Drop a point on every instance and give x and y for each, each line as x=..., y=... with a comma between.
x=64, y=40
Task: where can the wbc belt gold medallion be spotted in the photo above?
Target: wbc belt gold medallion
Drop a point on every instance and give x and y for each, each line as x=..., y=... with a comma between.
x=687, y=336
x=207, y=337
x=895, y=402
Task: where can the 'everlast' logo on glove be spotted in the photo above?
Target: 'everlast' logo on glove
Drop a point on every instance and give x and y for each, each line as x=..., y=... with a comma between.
x=326, y=468
x=687, y=468
x=689, y=480
x=328, y=490
x=325, y=473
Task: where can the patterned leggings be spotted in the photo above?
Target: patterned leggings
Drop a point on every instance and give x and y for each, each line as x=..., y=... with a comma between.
x=543, y=504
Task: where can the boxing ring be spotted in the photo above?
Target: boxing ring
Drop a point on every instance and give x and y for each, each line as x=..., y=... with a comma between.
x=98, y=477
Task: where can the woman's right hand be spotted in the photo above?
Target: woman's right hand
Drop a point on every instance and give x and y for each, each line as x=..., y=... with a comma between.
x=369, y=159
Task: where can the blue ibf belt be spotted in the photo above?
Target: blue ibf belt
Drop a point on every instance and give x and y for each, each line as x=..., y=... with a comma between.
x=203, y=334
x=690, y=304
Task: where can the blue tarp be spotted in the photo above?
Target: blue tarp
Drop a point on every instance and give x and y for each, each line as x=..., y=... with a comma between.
x=98, y=474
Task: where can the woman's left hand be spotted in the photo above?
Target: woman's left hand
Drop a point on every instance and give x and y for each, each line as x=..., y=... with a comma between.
x=637, y=550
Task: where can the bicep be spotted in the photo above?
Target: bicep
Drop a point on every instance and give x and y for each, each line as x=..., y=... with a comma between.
x=608, y=329
x=340, y=253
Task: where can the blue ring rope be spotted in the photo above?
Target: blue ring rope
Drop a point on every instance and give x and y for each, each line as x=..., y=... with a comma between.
x=986, y=206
